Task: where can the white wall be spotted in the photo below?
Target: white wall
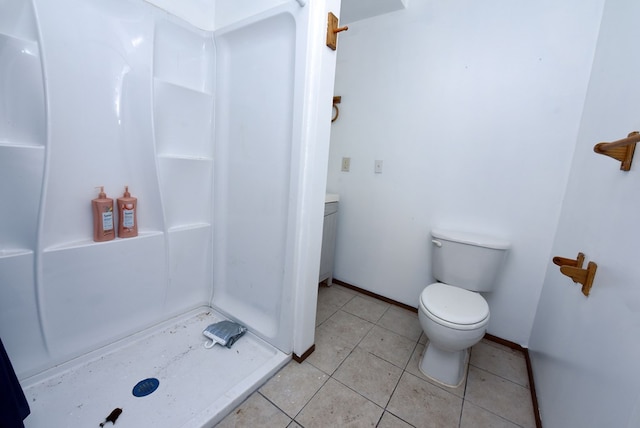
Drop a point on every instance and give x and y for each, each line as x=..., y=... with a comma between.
x=474, y=108
x=312, y=119
x=585, y=351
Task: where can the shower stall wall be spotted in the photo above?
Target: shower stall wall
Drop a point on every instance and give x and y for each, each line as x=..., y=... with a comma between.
x=211, y=132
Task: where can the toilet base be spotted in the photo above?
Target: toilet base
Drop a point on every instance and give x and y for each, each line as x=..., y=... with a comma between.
x=444, y=367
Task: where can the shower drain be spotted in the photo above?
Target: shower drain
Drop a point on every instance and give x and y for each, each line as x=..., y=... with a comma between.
x=145, y=387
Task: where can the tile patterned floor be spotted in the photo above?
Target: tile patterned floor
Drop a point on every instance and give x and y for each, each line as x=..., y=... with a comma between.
x=364, y=373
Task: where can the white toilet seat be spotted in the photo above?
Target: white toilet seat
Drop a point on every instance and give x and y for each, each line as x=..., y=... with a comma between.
x=454, y=307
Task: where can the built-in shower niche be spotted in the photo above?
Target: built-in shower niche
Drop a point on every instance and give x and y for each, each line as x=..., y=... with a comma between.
x=22, y=117
x=17, y=20
x=183, y=81
x=186, y=193
x=22, y=132
x=183, y=120
x=22, y=154
x=183, y=56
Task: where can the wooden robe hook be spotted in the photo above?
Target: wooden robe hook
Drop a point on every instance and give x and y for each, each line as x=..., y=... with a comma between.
x=577, y=262
x=621, y=150
x=583, y=276
x=333, y=30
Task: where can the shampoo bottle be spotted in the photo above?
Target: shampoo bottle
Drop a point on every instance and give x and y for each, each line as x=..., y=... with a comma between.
x=103, y=229
x=127, y=213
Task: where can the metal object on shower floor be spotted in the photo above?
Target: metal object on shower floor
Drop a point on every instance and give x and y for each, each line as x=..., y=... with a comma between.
x=113, y=416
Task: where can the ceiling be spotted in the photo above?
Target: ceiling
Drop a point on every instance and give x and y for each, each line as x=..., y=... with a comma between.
x=355, y=10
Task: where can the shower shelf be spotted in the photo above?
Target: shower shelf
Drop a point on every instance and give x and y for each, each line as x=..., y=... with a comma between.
x=14, y=252
x=191, y=226
x=19, y=39
x=90, y=243
x=170, y=156
x=21, y=144
x=182, y=87
x=18, y=21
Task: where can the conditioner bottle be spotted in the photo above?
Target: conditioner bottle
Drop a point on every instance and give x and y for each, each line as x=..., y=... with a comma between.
x=127, y=213
x=103, y=229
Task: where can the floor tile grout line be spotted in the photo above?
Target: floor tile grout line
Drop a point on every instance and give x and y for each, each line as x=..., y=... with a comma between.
x=391, y=413
x=360, y=394
x=492, y=412
x=272, y=403
x=349, y=354
x=309, y=400
x=389, y=308
x=501, y=377
x=337, y=309
x=383, y=358
x=399, y=334
x=484, y=408
x=466, y=385
x=365, y=298
x=415, y=346
x=528, y=388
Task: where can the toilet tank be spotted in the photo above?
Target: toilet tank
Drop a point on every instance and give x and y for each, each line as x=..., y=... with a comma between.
x=467, y=260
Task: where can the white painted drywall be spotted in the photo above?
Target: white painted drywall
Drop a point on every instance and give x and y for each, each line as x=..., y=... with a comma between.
x=312, y=119
x=585, y=351
x=474, y=109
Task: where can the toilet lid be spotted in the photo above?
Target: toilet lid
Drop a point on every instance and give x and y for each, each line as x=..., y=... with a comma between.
x=453, y=304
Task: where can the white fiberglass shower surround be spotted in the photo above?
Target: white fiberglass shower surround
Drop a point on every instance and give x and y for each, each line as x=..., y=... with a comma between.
x=217, y=134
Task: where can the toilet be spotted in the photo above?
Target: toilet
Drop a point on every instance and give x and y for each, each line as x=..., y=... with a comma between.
x=452, y=313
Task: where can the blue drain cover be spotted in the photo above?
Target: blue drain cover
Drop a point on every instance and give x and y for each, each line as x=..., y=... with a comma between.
x=145, y=387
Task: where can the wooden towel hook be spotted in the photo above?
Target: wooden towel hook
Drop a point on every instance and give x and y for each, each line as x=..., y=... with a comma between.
x=333, y=30
x=336, y=100
x=573, y=269
x=577, y=262
x=621, y=150
x=583, y=276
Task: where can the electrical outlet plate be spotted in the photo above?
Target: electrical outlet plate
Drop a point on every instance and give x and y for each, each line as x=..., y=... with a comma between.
x=378, y=167
x=346, y=164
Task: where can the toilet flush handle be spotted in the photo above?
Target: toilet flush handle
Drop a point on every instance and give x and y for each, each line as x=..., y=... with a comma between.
x=436, y=243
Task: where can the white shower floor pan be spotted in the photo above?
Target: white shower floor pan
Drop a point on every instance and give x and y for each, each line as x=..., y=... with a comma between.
x=197, y=388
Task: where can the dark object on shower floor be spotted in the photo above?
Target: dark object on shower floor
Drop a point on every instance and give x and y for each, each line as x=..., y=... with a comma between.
x=145, y=387
x=112, y=416
x=14, y=404
x=224, y=332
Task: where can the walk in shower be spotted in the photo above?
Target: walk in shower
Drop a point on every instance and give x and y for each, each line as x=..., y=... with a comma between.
x=205, y=126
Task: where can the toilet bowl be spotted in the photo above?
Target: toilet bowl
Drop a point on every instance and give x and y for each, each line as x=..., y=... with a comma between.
x=453, y=319
x=452, y=313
